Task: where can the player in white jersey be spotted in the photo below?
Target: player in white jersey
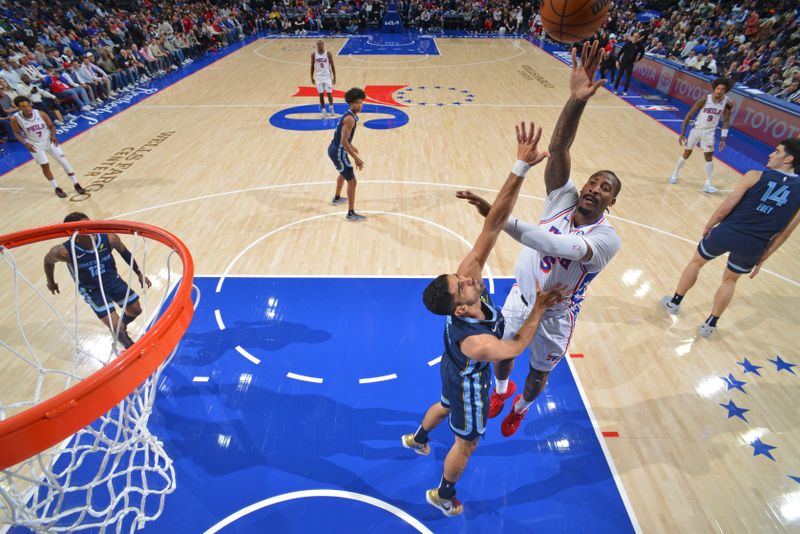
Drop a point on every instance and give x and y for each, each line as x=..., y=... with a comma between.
x=323, y=73
x=571, y=244
x=36, y=132
x=711, y=108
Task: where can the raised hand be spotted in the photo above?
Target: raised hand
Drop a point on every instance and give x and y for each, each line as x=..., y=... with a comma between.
x=480, y=203
x=550, y=297
x=144, y=281
x=581, y=84
x=528, y=145
x=52, y=286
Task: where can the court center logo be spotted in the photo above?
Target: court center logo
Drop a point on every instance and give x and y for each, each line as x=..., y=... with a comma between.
x=380, y=111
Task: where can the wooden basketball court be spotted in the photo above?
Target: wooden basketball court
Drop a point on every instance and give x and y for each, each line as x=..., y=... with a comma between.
x=215, y=172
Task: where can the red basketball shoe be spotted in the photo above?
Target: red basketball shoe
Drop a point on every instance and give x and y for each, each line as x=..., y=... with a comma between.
x=513, y=419
x=496, y=400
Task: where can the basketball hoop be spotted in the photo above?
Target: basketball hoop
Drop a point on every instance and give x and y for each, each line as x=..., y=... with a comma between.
x=80, y=456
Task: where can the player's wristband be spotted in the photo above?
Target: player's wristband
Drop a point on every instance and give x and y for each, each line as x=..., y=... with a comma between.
x=520, y=168
x=724, y=133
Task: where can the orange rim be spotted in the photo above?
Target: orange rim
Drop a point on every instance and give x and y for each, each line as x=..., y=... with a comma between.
x=53, y=420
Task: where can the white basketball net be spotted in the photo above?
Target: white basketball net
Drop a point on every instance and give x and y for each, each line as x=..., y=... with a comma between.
x=112, y=475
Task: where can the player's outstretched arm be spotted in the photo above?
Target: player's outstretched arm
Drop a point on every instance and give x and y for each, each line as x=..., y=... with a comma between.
x=57, y=253
x=117, y=244
x=566, y=246
x=724, y=209
x=776, y=242
x=487, y=348
x=582, y=87
x=528, y=155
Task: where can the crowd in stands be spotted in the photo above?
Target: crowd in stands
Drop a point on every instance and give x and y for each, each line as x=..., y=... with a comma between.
x=70, y=55
x=756, y=44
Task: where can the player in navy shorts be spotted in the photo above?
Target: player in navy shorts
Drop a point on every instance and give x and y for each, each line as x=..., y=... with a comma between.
x=341, y=146
x=473, y=336
x=755, y=219
x=88, y=249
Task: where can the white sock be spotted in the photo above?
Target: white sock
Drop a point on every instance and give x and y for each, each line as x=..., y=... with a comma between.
x=521, y=405
x=678, y=165
x=709, y=170
x=53, y=183
x=500, y=386
x=74, y=178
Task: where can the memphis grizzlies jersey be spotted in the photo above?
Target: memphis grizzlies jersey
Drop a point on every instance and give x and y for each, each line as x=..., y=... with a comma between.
x=550, y=271
x=710, y=113
x=87, y=263
x=459, y=328
x=767, y=207
x=337, y=136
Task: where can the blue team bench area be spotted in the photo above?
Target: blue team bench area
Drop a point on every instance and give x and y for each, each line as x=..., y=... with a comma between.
x=284, y=406
x=390, y=44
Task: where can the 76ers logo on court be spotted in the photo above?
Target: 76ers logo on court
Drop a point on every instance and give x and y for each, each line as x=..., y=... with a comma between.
x=380, y=111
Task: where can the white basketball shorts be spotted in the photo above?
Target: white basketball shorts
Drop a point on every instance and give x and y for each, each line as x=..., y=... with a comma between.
x=551, y=341
x=703, y=137
x=40, y=154
x=324, y=86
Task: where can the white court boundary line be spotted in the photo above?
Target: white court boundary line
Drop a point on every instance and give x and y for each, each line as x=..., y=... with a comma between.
x=374, y=379
x=514, y=42
x=218, y=317
x=405, y=516
x=304, y=378
x=416, y=59
x=617, y=480
x=489, y=274
x=370, y=43
x=246, y=354
x=419, y=183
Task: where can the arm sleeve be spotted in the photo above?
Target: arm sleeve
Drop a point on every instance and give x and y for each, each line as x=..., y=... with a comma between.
x=128, y=257
x=605, y=243
x=571, y=247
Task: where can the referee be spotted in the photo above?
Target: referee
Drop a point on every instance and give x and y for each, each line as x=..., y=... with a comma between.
x=632, y=51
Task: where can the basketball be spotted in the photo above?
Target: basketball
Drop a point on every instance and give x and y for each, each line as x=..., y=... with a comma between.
x=570, y=21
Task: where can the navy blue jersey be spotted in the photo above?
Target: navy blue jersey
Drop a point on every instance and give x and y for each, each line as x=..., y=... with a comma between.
x=337, y=136
x=767, y=207
x=87, y=263
x=458, y=328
